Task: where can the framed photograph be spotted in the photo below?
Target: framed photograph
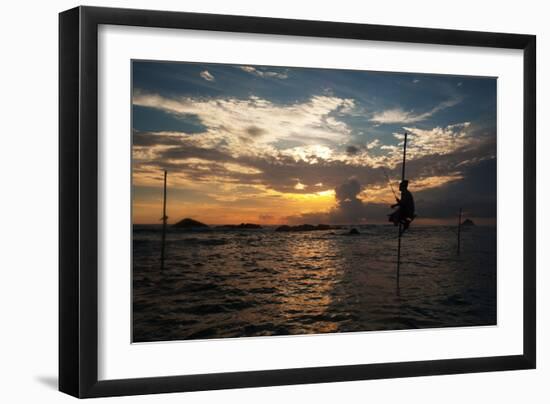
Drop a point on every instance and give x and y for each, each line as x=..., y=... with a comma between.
x=252, y=202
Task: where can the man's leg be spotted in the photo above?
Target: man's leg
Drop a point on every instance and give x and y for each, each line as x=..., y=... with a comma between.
x=405, y=225
x=395, y=217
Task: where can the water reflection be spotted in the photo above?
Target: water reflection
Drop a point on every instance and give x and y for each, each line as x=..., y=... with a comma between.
x=252, y=283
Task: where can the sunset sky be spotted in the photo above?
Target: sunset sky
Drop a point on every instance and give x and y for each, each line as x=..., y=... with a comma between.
x=275, y=145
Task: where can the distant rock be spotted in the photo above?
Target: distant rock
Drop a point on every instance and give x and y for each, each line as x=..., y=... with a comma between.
x=188, y=223
x=240, y=226
x=306, y=227
x=284, y=227
x=468, y=222
x=353, y=232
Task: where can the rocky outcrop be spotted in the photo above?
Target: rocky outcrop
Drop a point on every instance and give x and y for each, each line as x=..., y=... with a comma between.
x=188, y=223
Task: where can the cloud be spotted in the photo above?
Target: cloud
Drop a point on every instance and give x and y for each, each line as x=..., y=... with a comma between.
x=348, y=191
x=212, y=156
x=373, y=144
x=255, y=131
x=439, y=140
x=299, y=186
x=316, y=150
x=256, y=125
x=436, y=198
x=207, y=76
x=475, y=193
x=398, y=115
x=352, y=149
x=348, y=209
x=257, y=150
x=147, y=139
x=264, y=73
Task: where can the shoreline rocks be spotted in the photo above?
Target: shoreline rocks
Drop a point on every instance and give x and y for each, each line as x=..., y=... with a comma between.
x=239, y=226
x=306, y=227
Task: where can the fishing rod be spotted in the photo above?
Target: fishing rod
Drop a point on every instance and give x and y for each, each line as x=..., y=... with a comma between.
x=389, y=182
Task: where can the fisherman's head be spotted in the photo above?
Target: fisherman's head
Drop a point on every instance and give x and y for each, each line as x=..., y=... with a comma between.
x=403, y=185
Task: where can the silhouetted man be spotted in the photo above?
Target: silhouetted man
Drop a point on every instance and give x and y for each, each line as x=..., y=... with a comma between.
x=404, y=213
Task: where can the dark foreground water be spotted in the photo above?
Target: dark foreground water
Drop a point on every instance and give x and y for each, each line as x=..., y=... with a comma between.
x=243, y=283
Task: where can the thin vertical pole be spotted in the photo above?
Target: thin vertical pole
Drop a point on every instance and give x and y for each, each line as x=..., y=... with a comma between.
x=398, y=254
x=400, y=225
x=164, y=219
x=458, y=233
x=404, y=158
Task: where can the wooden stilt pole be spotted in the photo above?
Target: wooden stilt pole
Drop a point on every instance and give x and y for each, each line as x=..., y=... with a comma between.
x=400, y=225
x=164, y=219
x=458, y=233
x=398, y=254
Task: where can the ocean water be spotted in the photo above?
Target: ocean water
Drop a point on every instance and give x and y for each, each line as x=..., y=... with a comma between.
x=244, y=283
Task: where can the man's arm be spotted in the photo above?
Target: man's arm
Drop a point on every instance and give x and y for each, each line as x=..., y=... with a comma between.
x=396, y=204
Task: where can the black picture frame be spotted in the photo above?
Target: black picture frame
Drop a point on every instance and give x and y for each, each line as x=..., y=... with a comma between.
x=78, y=201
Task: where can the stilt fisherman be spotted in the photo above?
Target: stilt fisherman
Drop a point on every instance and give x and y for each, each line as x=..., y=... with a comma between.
x=405, y=212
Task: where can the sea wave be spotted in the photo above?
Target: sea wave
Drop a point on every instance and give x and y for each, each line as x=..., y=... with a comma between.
x=235, y=283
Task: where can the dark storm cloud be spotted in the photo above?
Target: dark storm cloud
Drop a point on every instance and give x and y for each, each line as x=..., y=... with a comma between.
x=349, y=208
x=280, y=172
x=283, y=176
x=476, y=194
x=347, y=191
x=255, y=131
x=352, y=150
